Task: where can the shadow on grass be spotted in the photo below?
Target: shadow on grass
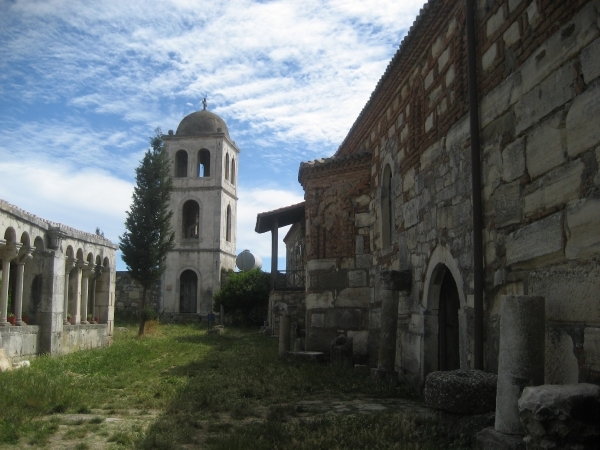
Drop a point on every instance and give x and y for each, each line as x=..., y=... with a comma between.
x=239, y=376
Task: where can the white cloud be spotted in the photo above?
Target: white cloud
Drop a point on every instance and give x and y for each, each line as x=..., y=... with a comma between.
x=252, y=202
x=82, y=199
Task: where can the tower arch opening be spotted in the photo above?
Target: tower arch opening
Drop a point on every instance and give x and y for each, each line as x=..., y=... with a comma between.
x=181, y=163
x=203, y=163
x=191, y=220
x=228, y=224
x=188, y=292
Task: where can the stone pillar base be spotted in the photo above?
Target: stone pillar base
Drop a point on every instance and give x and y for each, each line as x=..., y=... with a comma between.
x=386, y=376
x=490, y=439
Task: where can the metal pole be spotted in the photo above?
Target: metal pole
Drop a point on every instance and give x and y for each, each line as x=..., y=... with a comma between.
x=476, y=182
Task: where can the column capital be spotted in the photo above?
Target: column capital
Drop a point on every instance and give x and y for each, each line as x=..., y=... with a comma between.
x=70, y=262
x=89, y=270
x=10, y=251
x=25, y=254
x=56, y=235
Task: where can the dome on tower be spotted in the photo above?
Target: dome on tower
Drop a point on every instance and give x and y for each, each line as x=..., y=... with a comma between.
x=201, y=122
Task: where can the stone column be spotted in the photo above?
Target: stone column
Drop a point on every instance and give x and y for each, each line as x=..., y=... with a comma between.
x=8, y=253
x=284, y=335
x=24, y=256
x=95, y=276
x=88, y=271
x=392, y=282
x=69, y=264
x=521, y=356
x=77, y=291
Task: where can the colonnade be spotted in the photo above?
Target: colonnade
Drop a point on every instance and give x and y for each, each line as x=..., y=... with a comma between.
x=80, y=284
x=20, y=254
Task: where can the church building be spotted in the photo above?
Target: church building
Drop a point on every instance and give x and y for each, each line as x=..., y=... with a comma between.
x=204, y=204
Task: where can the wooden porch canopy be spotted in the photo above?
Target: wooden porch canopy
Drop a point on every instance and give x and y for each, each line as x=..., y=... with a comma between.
x=272, y=221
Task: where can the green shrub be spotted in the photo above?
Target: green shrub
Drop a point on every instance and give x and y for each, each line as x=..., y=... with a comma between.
x=245, y=293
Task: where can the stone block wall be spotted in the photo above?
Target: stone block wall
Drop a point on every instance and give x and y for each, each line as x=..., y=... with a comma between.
x=539, y=96
x=337, y=246
x=129, y=295
x=291, y=303
x=542, y=185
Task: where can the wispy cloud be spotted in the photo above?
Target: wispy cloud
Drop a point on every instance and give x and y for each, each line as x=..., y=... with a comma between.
x=282, y=66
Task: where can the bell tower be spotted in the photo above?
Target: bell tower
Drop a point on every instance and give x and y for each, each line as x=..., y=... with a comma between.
x=204, y=167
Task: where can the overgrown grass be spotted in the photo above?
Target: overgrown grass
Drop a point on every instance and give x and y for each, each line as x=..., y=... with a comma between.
x=241, y=373
x=202, y=385
x=372, y=431
x=129, y=374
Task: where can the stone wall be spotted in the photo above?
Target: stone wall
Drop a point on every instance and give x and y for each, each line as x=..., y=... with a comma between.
x=129, y=295
x=337, y=249
x=20, y=343
x=539, y=92
x=80, y=337
x=291, y=303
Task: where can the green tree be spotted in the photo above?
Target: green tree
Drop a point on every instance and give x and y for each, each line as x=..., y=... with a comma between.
x=148, y=236
x=244, y=293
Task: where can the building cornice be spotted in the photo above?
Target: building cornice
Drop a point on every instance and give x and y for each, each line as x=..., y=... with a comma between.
x=326, y=166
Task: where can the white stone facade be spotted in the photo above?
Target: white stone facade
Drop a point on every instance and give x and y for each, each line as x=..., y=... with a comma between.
x=50, y=271
x=204, y=205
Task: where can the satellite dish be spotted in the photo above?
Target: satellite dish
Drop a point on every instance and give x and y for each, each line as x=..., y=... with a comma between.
x=246, y=261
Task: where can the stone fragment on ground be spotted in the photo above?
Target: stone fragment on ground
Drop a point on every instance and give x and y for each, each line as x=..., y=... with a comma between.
x=461, y=391
x=561, y=416
x=5, y=363
x=21, y=364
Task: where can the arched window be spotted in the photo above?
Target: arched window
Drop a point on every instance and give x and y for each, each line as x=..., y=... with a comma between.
x=232, y=170
x=191, y=220
x=227, y=166
x=228, y=224
x=204, y=163
x=387, y=210
x=181, y=163
x=188, y=291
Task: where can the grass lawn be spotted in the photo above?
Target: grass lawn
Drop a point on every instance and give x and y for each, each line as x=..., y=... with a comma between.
x=178, y=387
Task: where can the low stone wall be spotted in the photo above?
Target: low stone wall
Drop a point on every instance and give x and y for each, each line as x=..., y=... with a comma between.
x=84, y=337
x=20, y=342
x=128, y=294
x=295, y=305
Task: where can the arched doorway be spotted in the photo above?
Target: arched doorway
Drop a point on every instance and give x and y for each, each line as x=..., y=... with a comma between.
x=445, y=338
x=188, y=292
x=448, y=346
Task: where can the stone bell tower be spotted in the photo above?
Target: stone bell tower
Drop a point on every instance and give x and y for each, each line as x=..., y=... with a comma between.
x=204, y=166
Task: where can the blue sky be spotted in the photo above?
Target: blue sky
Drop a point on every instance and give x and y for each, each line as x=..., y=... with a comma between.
x=84, y=84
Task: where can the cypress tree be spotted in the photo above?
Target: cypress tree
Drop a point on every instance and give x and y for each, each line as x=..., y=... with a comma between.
x=148, y=236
